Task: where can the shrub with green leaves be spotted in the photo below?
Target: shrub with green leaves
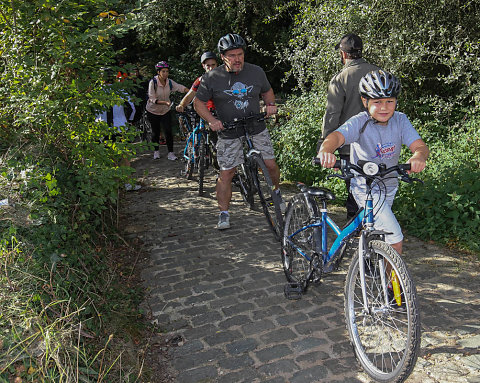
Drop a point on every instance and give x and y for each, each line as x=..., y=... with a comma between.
x=447, y=207
x=61, y=174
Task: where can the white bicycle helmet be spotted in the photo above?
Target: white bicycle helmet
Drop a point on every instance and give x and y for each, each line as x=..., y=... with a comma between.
x=379, y=84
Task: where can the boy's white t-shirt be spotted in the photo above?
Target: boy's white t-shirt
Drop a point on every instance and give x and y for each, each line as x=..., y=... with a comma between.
x=378, y=143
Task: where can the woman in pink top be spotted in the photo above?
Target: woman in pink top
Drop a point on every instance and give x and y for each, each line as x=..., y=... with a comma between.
x=158, y=107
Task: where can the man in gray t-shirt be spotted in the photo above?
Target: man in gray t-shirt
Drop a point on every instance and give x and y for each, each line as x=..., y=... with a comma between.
x=235, y=89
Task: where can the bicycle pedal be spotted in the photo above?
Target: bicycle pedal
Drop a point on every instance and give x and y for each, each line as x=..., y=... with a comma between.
x=293, y=291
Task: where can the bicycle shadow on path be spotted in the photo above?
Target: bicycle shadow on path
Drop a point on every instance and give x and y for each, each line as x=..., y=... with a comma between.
x=217, y=297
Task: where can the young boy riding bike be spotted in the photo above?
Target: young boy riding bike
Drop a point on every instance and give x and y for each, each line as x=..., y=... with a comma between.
x=377, y=135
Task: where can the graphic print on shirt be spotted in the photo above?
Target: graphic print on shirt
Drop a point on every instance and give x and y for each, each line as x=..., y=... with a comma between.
x=240, y=91
x=384, y=151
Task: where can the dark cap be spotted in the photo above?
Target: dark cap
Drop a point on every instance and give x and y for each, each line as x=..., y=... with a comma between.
x=208, y=55
x=350, y=43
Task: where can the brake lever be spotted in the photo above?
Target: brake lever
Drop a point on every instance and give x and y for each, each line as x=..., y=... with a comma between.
x=410, y=180
x=417, y=180
x=406, y=178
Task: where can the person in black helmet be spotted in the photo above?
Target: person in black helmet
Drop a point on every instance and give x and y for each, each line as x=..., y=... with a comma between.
x=236, y=88
x=209, y=62
x=377, y=135
x=343, y=99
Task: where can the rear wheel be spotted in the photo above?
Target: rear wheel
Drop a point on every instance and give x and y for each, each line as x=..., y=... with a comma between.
x=243, y=180
x=386, y=337
x=298, y=242
x=269, y=198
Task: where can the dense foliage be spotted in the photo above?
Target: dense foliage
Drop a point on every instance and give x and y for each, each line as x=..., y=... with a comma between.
x=61, y=173
x=182, y=30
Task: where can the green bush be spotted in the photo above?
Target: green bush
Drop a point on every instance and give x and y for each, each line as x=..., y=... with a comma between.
x=447, y=207
x=297, y=135
x=61, y=175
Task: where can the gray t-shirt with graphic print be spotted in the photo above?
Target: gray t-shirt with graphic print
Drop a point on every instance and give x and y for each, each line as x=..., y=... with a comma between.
x=378, y=143
x=235, y=95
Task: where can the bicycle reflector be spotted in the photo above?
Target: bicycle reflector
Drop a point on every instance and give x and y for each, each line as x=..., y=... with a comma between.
x=370, y=168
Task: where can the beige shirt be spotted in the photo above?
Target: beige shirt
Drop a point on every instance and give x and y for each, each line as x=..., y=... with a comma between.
x=162, y=93
x=343, y=98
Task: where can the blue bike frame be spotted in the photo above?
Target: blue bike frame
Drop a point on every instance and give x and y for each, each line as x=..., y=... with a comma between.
x=194, y=137
x=362, y=217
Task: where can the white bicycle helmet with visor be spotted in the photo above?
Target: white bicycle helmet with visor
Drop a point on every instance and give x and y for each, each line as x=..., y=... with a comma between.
x=379, y=84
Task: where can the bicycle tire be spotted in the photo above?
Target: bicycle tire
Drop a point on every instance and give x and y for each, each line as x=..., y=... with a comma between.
x=146, y=128
x=202, y=152
x=386, y=340
x=245, y=185
x=183, y=128
x=269, y=199
x=300, y=213
x=190, y=160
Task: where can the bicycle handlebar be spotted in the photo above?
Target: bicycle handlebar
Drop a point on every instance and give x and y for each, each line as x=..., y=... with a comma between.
x=369, y=169
x=242, y=121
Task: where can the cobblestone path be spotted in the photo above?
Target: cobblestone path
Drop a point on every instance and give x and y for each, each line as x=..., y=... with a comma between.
x=218, y=296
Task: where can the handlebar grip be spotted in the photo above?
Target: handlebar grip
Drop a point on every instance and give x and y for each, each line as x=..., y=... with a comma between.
x=316, y=162
x=404, y=166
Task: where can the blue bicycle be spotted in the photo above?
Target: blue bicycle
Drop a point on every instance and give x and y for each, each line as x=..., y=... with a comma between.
x=199, y=152
x=381, y=309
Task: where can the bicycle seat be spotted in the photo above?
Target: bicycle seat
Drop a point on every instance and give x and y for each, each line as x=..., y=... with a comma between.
x=317, y=192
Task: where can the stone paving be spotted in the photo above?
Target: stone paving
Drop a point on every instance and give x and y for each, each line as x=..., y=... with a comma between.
x=218, y=296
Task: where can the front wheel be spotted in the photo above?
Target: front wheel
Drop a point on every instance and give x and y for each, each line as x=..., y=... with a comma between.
x=385, y=336
x=202, y=152
x=145, y=128
x=269, y=198
x=189, y=159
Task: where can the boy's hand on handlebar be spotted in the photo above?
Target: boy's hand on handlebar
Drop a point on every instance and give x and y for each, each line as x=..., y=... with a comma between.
x=180, y=108
x=327, y=160
x=416, y=165
x=216, y=125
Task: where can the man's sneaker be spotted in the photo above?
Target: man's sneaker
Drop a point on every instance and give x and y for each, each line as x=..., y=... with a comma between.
x=171, y=156
x=129, y=187
x=156, y=155
x=223, y=221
